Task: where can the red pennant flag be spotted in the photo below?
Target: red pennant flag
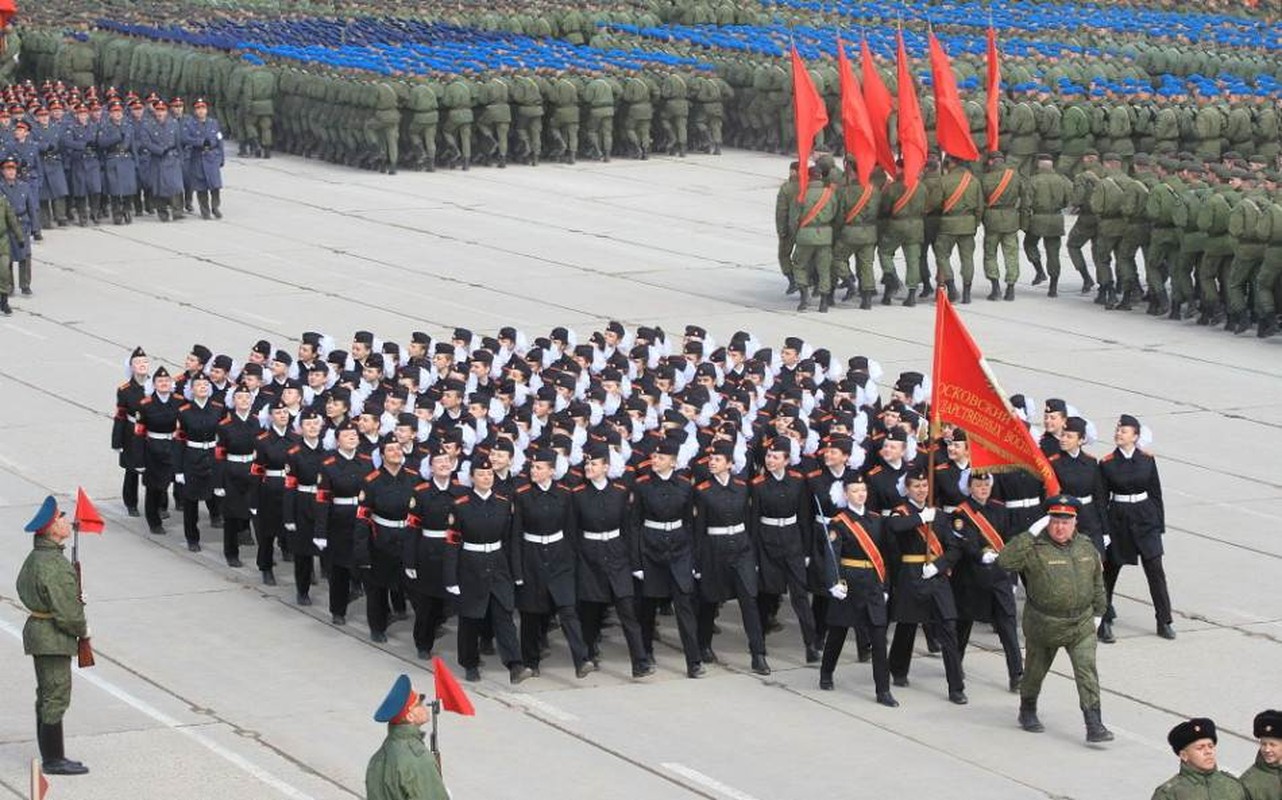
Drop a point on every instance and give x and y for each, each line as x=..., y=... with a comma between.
x=993, y=87
x=952, y=129
x=810, y=114
x=856, y=126
x=966, y=393
x=448, y=691
x=87, y=519
x=39, y=786
x=879, y=104
x=912, y=130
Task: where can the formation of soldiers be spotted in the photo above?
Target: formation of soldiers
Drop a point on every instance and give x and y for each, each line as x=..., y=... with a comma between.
x=480, y=475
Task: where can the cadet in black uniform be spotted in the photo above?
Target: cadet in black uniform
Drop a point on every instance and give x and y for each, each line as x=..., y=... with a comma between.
x=1136, y=522
x=157, y=421
x=1079, y=475
x=271, y=448
x=546, y=526
x=235, y=454
x=197, y=436
x=129, y=397
x=427, y=547
x=604, y=558
x=1054, y=417
x=386, y=499
x=663, y=528
x=824, y=484
x=303, y=460
x=338, y=489
x=481, y=571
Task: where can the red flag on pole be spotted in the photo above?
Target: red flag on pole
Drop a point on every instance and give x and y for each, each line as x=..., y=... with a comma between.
x=879, y=104
x=966, y=393
x=810, y=114
x=993, y=87
x=86, y=518
x=912, y=130
x=448, y=691
x=952, y=129
x=856, y=126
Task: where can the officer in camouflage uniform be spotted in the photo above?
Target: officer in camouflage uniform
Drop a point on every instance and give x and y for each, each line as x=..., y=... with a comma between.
x=1002, y=187
x=811, y=221
x=961, y=210
x=638, y=114
x=674, y=114
x=599, y=98
x=258, y=93
x=563, y=96
x=1248, y=250
x=1046, y=194
x=402, y=768
x=1213, y=220
x=383, y=126
x=1184, y=214
x=1266, y=280
x=459, y=98
x=528, y=99
x=48, y=587
x=1263, y=779
x=1064, y=581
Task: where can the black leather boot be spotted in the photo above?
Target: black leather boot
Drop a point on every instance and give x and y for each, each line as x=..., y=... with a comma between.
x=1110, y=297
x=865, y=300
x=1039, y=276
x=805, y=298
x=4, y=305
x=965, y=294
x=952, y=291
x=1028, y=716
x=911, y=299
x=52, y=755
x=825, y=300
x=1268, y=327
x=996, y=293
x=1053, y=289
x=759, y=665
x=1010, y=292
x=1095, y=730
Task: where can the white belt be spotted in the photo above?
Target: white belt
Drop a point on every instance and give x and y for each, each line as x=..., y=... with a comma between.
x=302, y=487
x=887, y=512
x=779, y=522
x=549, y=539
x=273, y=473
x=603, y=536
x=482, y=547
x=202, y=445
x=949, y=509
x=151, y=435
x=241, y=459
x=435, y=534
x=726, y=530
x=1086, y=501
x=663, y=526
x=345, y=501
x=387, y=523
x=1129, y=498
x=1027, y=502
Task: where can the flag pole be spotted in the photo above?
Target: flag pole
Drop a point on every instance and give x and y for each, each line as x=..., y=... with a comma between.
x=941, y=302
x=433, y=741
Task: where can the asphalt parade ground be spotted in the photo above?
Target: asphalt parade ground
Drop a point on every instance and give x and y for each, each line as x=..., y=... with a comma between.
x=209, y=685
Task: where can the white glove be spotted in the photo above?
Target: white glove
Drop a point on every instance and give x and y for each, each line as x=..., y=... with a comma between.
x=118, y=449
x=520, y=582
x=180, y=478
x=321, y=544
x=253, y=512
x=291, y=526
x=1107, y=540
x=697, y=576
x=453, y=590
x=838, y=591
x=929, y=571
x=989, y=556
x=1097, y=621
x=927, y=515
x=638, y=574
x=1040, y=525
x=885, y=596
x=220, y=492
x=412, y=574
x=807, y=561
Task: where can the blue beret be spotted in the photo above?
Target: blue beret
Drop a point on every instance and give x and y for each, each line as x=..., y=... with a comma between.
x=395, y=701
x=44, y=517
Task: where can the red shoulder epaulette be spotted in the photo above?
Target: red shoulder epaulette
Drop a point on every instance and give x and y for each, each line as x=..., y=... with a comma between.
x=685, y=478
x=1086, y=456
x=579, y=488
x=1053, y=458
x=703, y=485
x=262, y=435
x=814, y=473
x=758, y=480
x=617, y=484
x=502, y=497
x=461, y=499
x=740, y=481
x=523, y=488
x=365, y=456
x=1108, y=457
x=145, y=401
x=875, y=470
x=644, y=478
x=124, y=386
x=941, y=466
x=413, y=473
x=796, y=473
x=421, y=486
x=224, y=421
x=330, y=460
x=294, y=449
x=371, y=476
x=184, y=406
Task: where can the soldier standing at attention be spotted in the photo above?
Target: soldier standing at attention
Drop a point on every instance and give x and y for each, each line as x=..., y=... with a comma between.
x=1263, y=780
x=56, y=621
x=1200, y=776
x=1065, y=585
x=403, y=769
x=787, y=239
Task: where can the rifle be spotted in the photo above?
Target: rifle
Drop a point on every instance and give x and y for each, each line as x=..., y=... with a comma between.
x=84, y=651
x=432, y=743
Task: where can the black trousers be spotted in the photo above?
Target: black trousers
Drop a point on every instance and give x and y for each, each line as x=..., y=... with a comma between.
x=1155, y=573
x=340, y=589
x=469, y=637
x=232, y=530
x=154, y=499
x=429, y=613
x=591, y=615
x=129, y=490
x=945, y=631
x=683, y=605
x=378, y=606
x=266, y=534
x=876, y=636
x=707, y=615
x=534, y=625
x=191, y=515
x=768, y=605
x=819, y=613
x=304, y=568
x=1004, y=624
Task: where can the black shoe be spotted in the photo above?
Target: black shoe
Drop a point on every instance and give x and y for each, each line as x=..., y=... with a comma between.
x=824, y=303
x=424, y=654
x=825, y=682
x=64, y=766
x=519, y=672
x=865, y=301
x=1165, y=630
x=958, y=698
x=1014, y=683
x=585, y=669
x=965, y=298
x=887, y=699
x=759, y=665
x=996, y=293
x=1105, y=632
x=133, y=512
x=1010, y=292
x=26, y=291
x=304, y=600
x=193, y=547
x=378, y=637
x=337, y=619
x=234, y=562
x=899, y=680
x=792, y=286
x=487, y=647
x=911, y=299
x=1040, y=275
x=804, y=302
x=707, y=656
x=1268, y=327
x=472, y=675
x=1028, y=717
x=696, y=670
x=159, y=530
x=865, y=656
x=1095, y=730
x=812, y=655
x=643, y=670
x=951, y=286
x=268, y=578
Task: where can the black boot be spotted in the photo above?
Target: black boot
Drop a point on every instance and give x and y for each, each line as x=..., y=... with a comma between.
x=4, y=305
x=804, y=291
x=792, y=286
x=203, y=199
x=1128, y=299
x=52, y=754
x=1176, y=311
x=1110, y=297
x=865, y=300
x=1039, y=276
x=1053, y=289
x=1216, y=315
x=1105, y=632
x=1161, y=303
x=825, y=300
x=965, y=294
x=1240, y=324
x=1095, y=730
x=759, y=665
x=996, y=293
x=851, y=291
x=1268, y=326
x=952, y=291
x=215, y=203
x=888, y=296
x=1087, y=284
x=1010, y=292
x=926, y=286
x=1028, y=716
x=911, y=299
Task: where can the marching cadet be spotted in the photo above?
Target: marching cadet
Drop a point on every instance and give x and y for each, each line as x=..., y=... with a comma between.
x=481, y=572
x=157, y=420
x=427, y=546
x=48, y=586
x=1046, y=194
x=238, y=484
x=26, y=207
x=53, y=175
x=545, y=582
x=271, y=450
x=605, y=557
x=1065, y=585
x=724, y=555
x=787, y=541
x=303, y=460
x=338, y=488
x=662, y=523
x=1136, y=520
x=922, y=594
x=116, y=143
x=1263, y=779
x=162, y=140
x=902, y=226
x=1003, y=187
x=1194, y=741
x=824, y=486
x=386, y=500
x=129, y=397
x=810, y=222
x=203, y=136
x=861, y=548
x=984, y=592
x=1054, y=414
x=1079, y=475
x=9, y=227
x=784, y=232
x=961, y=211
x=196, y=438
x=855, y=235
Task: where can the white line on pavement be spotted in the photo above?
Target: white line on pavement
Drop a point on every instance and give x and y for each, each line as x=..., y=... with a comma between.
x=236, y=760
x=23, y=331
x=706, y=781
x=268, y=320
x=534, y=704
x=113, y=363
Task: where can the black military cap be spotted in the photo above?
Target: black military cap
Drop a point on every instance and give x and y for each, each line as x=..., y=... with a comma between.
x=407, y=419
x=694, y=347
x=160, y=372
x=722, y=448
x=958, y=435
x=896, y=434
x=559, y=334
x=843, y=443
x=462, y=334
x=854, y=476
x=399, y=392
x=391, y=349
x=199, y=376
x=364, y=337
x=262, y=347
x=667, y=447
x=1190, y=731
x=311, y=337
x=283, y=357
x=419, y=337
x=222, y=362
x=1268, y=724
x=780, y=444
x=138, y=353
x=454, y=385
x=596, y=451
x=505, y=445
x=277, y=405
x=309, y=413
x=252, y=369
x=240, y=389
x=1063, y=505
x=1076, y=425
x=543, y=455
x=341, y=394
x=292, y=383
x=1128, y=421
x=444, y=349
x=337, y=357
x=201, y=352
x=483, y=356
x=794, y=343
x=374, y=360
x=696, y=332
x=1054, y=405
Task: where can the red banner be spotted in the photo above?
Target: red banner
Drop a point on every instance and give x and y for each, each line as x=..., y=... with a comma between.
x=952, y=129
x=811, y=117
x=912, y=130
x=87, y=517
x=855, y=124
x=993, y=87
x=448, y=691
x=966, y=393
x=880, y=105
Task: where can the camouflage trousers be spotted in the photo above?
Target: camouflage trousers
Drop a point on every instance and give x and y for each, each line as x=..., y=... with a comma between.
x=1040, y=652
x=1247, y=260
x=813, y=260
x=965, y=246
x=1266, y=281
x=1008, y=244
x=53, y=688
